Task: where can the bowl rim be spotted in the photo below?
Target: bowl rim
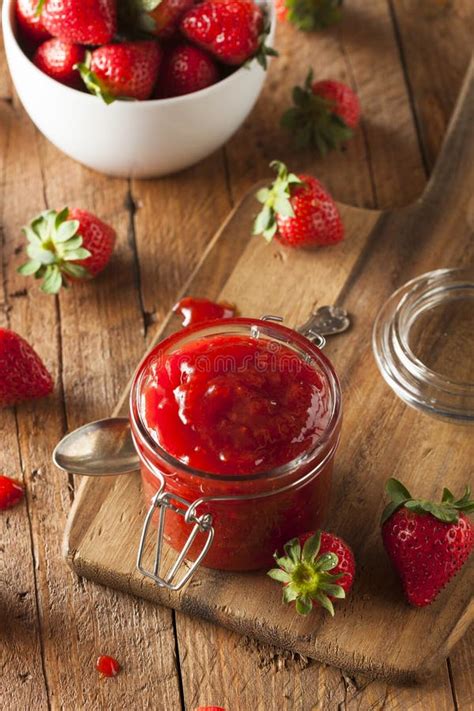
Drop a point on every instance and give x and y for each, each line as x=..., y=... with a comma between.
x=8, y=20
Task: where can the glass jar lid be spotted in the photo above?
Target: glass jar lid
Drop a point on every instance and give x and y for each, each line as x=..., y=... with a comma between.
x=423, y=342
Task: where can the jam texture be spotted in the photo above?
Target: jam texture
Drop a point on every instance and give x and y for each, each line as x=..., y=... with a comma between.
x=219, y=413
x=234, y=405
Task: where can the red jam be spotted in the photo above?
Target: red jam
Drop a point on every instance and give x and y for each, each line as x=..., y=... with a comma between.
x=11, y=492
x=234, y=405
x=107, y=666
x=222, y=413
x=193, y=310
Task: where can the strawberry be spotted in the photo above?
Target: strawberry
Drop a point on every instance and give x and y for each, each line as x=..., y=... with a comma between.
x=161, y=17
x=233, y=31
x=23, y=375
x=65, y=246
x=298, y=211
x=317, y=567
x=427, y=543
x=58, y=59
x=128, y=70
x=324, y=114
x=84, y=22
x=11, y=492
x=210, y=708
x=107, y=666
x=309, y=14
x=29, y=21
x=185, y=69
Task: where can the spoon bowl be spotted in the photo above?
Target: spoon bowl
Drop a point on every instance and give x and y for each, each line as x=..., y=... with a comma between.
x=100, y=448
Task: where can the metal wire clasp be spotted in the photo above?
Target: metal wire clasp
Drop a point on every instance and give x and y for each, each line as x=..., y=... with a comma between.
x=162, y=502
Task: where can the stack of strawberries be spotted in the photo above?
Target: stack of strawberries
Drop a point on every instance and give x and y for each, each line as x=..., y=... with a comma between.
x=141, y=49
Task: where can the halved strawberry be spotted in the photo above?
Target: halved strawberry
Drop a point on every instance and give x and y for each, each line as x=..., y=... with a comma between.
x=66, y=246
x=11, y=492
x=23, y=375
x=317, y=568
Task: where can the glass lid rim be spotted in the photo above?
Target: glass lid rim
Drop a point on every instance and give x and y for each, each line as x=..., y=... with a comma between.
x=406, y=374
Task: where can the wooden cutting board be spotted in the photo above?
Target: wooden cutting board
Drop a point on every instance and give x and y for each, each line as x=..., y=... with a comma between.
x=374, y=631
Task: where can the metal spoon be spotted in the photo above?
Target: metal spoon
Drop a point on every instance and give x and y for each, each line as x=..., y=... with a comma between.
x=105, y=447
x=101, y=448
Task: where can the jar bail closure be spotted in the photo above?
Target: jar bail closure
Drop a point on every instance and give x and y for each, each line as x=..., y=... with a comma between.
x=327, y=320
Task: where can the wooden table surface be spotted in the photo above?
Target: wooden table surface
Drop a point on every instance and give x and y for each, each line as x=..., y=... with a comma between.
x=406, y=59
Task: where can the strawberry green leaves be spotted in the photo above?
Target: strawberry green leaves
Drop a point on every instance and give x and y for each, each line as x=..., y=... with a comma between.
x=54, y=246
x=264, y=51
x=92, y=83
x=313, y=121
x=309, y=15
x=276, y=200
x=447, y=510
x=306, y=575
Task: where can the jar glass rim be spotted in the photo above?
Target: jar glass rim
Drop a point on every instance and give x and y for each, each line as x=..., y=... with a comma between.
x=239, y=326
x=417, y=383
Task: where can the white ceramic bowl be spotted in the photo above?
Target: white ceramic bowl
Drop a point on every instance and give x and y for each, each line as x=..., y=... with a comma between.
x=141, y=139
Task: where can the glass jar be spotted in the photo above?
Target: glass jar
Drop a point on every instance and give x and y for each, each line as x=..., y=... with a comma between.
x=234, y=521
x=423, y=342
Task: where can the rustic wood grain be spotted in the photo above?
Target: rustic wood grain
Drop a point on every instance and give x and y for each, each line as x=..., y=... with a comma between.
x=444, y=43
x=76, y=620
x=436, y=41
x=357, y=639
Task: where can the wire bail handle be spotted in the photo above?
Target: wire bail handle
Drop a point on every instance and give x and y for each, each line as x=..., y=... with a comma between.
x=327, y=320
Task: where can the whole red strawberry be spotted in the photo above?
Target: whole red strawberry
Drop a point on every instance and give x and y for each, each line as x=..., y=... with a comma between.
x=316, y=568
x=427, y=543
x=161, y=17
x=107, y=666
x=298, y=211
x=29, y=21
x=323, y=116
x=58, y=60
x=23, y=375
x=66, y=246
x=309, y=14
x=231, y=30
x=11, y=492
x=128, y=70
x=185, y=69
x=84, y=22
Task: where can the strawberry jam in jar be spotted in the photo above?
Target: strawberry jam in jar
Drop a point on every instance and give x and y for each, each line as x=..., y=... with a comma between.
x=236, y=423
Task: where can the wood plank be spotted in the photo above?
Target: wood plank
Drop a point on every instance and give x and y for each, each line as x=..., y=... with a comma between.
x=103, y=552
x=175, y=219
x=373, y=170
x=23, y=680
x=366, y=175
x=461, y=672
x=436, y=42
x=78, y=620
